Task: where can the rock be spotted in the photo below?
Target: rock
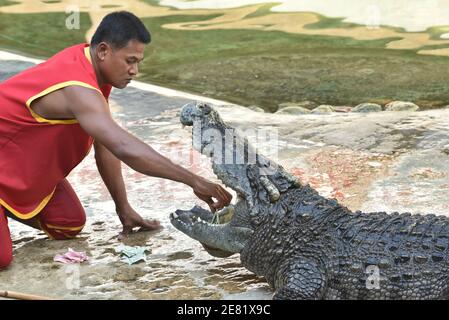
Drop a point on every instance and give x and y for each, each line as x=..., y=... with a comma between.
x=293, y=110
x=324, y=108
x=308, y=104
x=256, y=108
x=401, y=106
x=367, y=107
x=303, y=104
x=344, y=109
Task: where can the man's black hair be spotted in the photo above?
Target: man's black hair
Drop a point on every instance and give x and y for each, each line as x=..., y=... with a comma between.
x=118, y=28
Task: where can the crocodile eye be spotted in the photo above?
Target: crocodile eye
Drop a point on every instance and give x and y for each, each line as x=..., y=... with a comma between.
x=207, y=109
x=204, y=108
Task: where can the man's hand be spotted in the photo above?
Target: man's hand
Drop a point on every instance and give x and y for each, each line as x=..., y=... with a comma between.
x=207, y=191
x=131, y=219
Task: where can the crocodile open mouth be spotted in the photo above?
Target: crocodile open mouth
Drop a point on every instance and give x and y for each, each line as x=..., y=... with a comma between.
x=198, y=223
x=203, y=225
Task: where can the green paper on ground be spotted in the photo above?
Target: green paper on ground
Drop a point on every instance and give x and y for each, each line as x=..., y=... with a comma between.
x=131, y=255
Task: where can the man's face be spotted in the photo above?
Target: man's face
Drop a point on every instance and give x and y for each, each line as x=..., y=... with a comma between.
x=120, y=66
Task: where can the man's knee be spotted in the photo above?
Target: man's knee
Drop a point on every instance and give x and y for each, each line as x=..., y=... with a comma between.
x=5, y=259
x=5, y=241
x=58, y=232
x=62, y=228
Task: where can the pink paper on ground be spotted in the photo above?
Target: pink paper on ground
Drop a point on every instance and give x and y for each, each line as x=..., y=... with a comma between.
x=71, y=256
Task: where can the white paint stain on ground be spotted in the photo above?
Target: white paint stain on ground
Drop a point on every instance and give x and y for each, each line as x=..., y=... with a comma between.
x=412, y=15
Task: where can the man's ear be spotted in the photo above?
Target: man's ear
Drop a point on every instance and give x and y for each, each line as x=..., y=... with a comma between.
x=102, y=50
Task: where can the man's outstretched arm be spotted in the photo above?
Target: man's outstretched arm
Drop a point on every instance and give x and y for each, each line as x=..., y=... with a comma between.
x=92, y=112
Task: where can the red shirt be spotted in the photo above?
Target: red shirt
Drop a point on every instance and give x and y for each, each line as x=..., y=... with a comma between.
x=37, y=153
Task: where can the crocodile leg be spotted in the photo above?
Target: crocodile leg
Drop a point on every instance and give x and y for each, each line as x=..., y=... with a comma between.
x=303, y=280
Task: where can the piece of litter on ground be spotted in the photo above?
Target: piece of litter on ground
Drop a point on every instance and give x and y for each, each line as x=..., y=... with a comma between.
x=374, y=164
x=131, y=255
x=71, y=256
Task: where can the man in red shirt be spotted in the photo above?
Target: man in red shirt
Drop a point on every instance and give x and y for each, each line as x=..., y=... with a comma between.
x=52, y=114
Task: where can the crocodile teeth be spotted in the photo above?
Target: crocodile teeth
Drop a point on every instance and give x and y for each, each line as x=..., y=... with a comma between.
x=175, y=216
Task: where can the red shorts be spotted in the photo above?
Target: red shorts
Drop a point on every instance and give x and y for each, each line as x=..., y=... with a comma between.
x=62, y=218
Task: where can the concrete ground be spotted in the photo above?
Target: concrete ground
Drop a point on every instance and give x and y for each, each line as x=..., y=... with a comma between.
x=391, y=161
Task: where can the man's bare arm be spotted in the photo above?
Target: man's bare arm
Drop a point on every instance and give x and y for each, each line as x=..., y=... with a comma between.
x=92, y=112
x=94, y=116
x=110, y=170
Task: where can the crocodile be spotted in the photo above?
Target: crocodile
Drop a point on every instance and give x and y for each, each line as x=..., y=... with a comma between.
x=305, y=245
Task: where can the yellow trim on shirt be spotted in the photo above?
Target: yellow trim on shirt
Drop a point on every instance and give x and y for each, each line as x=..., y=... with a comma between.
x=51, y=226
x=87, y=54
x=46, y=232
x=52, y=89
x=29, y=215
x=67, y=236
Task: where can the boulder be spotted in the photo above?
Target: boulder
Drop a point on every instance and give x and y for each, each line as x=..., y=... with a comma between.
x=343, y=109
x=401, y=106
x=293, y=110
x=256, y=108
x=367, y=107
x=303, y=104
x=324, y=108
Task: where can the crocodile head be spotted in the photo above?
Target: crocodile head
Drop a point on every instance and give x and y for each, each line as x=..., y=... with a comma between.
x=257, y=182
